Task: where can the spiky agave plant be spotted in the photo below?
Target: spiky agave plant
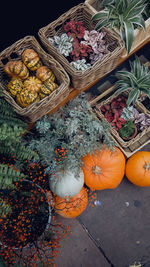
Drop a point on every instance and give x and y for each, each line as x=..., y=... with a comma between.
x=137, y=79
x=125, y=15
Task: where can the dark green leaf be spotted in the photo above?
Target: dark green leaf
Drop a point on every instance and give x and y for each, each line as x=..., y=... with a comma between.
x=131, y=97
x=129, y=32
x=100, y=15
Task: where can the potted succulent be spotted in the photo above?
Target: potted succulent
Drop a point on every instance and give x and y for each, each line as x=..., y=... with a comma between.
x=128, y=130
x=127, y=17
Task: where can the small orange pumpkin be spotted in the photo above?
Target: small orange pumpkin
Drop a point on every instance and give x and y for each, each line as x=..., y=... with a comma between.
x=15, y=86
x=44, y=73
x=104, y=169
x=16, y=68
x=71, y=207
x=26, y=97
x=138, y=168
x=32, y=84
x=31, y=59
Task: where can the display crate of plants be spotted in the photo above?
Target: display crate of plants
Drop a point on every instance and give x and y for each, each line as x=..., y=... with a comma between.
x=32, y=81
x=134, y=16
x=86, y=54
x=123, y=109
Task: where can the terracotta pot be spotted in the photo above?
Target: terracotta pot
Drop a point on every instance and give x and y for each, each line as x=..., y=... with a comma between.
x=132, y=136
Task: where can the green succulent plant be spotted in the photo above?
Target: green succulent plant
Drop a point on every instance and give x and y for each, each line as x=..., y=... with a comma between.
x=137, y=79
x=125, y=15
x=127, y=129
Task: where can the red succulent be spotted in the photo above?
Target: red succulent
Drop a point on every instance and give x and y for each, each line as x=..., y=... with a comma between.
x=75, y=29
x=80, y=50
x=117, y=121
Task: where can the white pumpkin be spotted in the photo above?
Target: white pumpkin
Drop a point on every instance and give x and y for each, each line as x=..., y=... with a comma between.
x=66, y=184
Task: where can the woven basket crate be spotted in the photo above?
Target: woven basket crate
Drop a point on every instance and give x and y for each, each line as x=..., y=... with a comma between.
x=115, y=134
x=36, y=110
x=80, y=79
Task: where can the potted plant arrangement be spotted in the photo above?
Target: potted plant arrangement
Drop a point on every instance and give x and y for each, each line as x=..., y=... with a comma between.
x=84, y=52
x=63, y=141
x=123, y=106
x=70, y=133
x=130, y=18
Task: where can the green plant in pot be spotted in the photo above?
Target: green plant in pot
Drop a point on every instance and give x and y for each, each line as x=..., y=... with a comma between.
x=64, y=138
x=125, y=15
x=136, y=81
x=128, y=130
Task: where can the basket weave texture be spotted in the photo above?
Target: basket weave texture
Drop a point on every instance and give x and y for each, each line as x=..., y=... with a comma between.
x=80, y=79
x=115, y=134
x=36, y=110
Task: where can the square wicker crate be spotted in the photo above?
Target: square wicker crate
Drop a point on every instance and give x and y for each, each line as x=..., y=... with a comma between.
x=36, y=110
x=80, y=79
x=129, y=147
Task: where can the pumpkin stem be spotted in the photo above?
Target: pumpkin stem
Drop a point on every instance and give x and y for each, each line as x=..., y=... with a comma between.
x=96, y=169
x=147, y=166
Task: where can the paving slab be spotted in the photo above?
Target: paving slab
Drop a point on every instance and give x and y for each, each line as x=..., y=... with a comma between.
x=120, y=226
x=79, y=250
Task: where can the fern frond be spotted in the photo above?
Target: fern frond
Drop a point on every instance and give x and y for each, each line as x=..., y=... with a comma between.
x=9, y=175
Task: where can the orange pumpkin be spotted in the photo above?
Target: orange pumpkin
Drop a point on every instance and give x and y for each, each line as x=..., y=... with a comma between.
x=31, y=59
x=32, y=84
x=44, y=73
x=26, y=97
x=72, y=207
x=16, y=68
x=138, y=168
x=15, y=86
x=104, y=169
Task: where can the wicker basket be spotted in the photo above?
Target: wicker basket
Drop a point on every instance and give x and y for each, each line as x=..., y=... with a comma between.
x=114, y=133
x=36, y=110
x=80, y=79
x=140, y=35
